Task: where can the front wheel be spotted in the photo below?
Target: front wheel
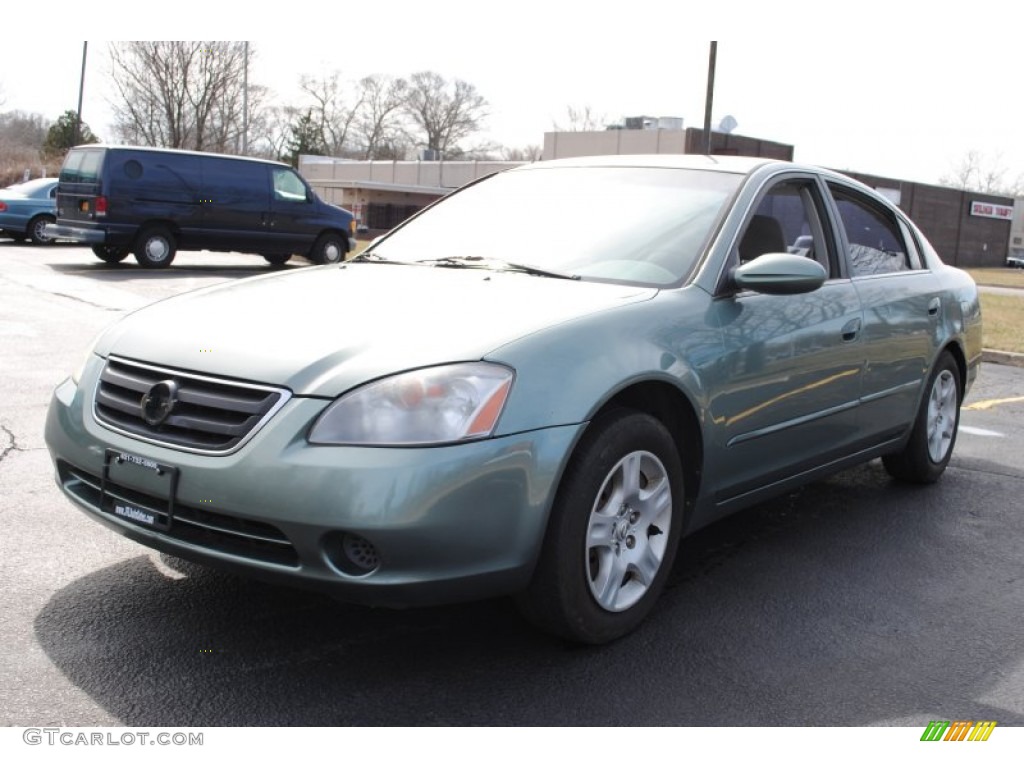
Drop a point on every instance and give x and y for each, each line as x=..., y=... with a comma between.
x=155, y=248
x=36, y=230
x=613, y=533
x=933, y=435
x=276, y=258
x=330, y=248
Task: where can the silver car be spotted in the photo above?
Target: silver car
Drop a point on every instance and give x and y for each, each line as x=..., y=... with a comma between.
x=535, y=387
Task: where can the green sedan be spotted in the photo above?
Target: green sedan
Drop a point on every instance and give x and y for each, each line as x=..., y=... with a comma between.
x=534, y=387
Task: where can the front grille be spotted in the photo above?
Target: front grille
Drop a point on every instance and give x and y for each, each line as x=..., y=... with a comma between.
x=211, y=416
x=200, y=527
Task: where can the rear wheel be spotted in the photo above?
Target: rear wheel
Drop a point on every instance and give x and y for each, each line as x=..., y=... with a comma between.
x=933, y=436
x=613, y=532
x=276, y=258
x=330, y=248
x=35, y=229
x=155, y=248
x=112, y=254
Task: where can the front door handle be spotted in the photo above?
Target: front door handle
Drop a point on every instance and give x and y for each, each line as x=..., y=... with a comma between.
x=851, y=329
x=933, y=306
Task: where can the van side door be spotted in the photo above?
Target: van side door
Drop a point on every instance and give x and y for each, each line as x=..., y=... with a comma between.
x=236, y=205
x=294, y=212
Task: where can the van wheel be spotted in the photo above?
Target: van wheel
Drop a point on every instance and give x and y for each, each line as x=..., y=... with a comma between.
x=112, y=254
x=35, y=230
x=276, y=258
x=329, y=249
x=155, y=248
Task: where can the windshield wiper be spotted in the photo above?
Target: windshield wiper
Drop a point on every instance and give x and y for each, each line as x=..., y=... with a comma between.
x=373, y=257
x=486, y=262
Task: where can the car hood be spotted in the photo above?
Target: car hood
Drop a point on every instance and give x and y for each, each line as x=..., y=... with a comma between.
x=323, y=331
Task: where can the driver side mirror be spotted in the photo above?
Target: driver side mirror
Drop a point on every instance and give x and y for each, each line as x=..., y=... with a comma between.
x=780, y=274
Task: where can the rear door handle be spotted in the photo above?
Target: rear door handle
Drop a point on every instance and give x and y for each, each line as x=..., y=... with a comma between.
x=851, y=329
x=933, y=306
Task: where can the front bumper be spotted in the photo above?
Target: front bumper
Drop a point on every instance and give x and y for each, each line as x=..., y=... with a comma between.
x=448, y=523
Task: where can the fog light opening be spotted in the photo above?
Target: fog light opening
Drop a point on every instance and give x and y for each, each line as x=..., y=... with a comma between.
x=351, y=553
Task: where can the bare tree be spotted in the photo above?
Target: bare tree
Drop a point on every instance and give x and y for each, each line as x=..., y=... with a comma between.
x=528, y=154
x=182, y=94
x=378, y=125
x=333, y=111
x=270, y=132
x=978, y=172
x=443, y=113
x=22, y=135
x=581, y=119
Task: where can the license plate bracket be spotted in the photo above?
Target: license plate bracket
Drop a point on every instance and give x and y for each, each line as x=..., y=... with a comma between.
x=146, y=508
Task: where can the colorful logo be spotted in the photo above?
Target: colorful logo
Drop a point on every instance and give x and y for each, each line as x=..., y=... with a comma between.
x=958, y=730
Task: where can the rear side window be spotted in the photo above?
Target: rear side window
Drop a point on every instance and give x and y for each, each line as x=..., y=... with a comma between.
x=82, y=166
x=875, y=239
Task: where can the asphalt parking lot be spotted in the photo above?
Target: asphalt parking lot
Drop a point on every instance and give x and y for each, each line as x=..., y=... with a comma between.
x=854, y=601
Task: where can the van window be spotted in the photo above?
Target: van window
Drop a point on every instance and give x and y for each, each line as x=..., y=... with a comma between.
x=82, y=166
x=288, y=186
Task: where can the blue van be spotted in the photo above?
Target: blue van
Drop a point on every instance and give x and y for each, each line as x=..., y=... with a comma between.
x=155, y=202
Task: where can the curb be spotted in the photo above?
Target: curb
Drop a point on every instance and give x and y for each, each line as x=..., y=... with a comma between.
x=1000, y=357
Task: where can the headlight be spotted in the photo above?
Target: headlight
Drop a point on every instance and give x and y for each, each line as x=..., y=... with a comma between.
x=446, y=404
x=76, y=375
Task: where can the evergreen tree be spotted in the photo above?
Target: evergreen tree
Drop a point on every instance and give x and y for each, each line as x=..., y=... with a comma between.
x=63, y=135
x=306, y=139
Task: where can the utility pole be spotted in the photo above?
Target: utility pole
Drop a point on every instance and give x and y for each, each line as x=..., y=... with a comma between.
x=81, y=90
x=245, y=101
x=711, y=96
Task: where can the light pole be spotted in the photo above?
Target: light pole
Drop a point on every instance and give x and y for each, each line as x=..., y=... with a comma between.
x=81, y=90
x=711, y=96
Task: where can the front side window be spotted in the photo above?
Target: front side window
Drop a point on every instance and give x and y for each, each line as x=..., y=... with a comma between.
x=786, y=220
x=875, y=240
x=288, y=186
x=646, y=226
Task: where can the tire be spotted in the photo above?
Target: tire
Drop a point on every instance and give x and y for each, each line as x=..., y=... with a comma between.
x=933, y=435
x=34, y=232
x=112, y=254
x=155, y=248
x=330, y=248
x=613, y=532
x=276, y=258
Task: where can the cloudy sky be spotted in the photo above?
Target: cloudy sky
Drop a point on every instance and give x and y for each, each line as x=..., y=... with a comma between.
x=898, y=89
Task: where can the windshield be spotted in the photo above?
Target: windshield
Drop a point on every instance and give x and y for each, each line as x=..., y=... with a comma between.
x=647, y=226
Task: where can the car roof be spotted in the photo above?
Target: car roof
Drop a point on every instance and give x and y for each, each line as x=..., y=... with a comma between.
x=727, y=163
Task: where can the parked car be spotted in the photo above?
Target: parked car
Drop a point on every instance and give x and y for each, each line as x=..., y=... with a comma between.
x=481, y=413
x=26, y=208
x=154, y=202
x=1016, y=262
